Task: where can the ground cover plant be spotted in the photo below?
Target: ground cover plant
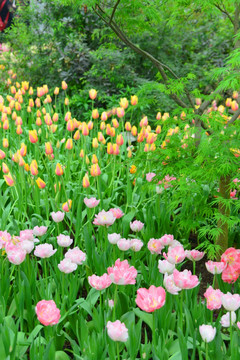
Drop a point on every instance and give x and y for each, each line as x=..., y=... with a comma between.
x=94, y=241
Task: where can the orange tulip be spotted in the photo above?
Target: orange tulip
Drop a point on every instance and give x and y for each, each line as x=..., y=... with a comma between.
x=2, y=154
x=95, y=114
x=95, y=170
x=5, y=168
x=69, y=144
x=34, y=168
x=33, y=136
x=92, y=94
x=134, y=100
x=5, y=143
x=48, y=148
x=64, y=85
x=67, y=205
x=85, y=181
x=9, y=179
x=94, y=159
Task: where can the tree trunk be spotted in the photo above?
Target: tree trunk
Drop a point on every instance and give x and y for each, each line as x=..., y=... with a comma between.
x=224, y=191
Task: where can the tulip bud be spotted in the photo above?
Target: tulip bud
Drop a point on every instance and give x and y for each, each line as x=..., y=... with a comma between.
x=56, y=91
x=40, y=183
x=67, y=205
x=120, y=112
x=95, y=170
x=33, y=136
x=5, y=143
x=9, y=179
x=5, y=168
x=94, y=159
x=64, y=85
x=95, y=143
x=119, y=140
x=234, y=105
x=134, y=100
x=128, y=126
x=48, y=148
x=115, y=123
x=235, y=95
x=81, y=154
x=90, y=125
x=104, y=116
x=134, y=131
x=92, y=94
x=59, y=170
x=95, y=114
x=76, y=136
x=70, y=125
x=69, y=144
x=85, y=181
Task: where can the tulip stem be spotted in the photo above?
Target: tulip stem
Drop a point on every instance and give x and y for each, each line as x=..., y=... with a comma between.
x=206, y=346
x=118, y=355
x=115, y=303
x=194, y=267
x=154, y=330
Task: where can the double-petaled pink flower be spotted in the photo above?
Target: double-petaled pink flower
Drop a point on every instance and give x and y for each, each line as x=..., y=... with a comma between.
x=170, y=285
x=64, y=240
x=231, y=258
x=155, y=246
x=231, y=302
x=100, y=282
x=39, y=230
x=67, y=266
x=104, y=218
x=117, y=213
x=16, y=255
x=76, y=255
x=57, y=216
x=194, y=255
x=122, y=274
x=165, y=266
x=215, y=267
x=91, y=203
x=207, y=332
x=150, y=299
x=117, y=331
x=114, y=238
x=47, y=312
x=175, y=254
x=124, y=244
x=150, y=176
x=44, y=250
x=184, y=279
x=136, y=244
x=167, y=240
x=214, y=298
x=136, y=225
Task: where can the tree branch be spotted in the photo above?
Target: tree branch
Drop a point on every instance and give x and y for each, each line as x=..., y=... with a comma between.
x=114, y=10
x=224, y=11
x=234, y=117
x=160, y=66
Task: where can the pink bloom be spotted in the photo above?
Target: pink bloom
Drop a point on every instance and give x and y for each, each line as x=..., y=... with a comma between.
x=91, y=203
x=104, y=218
x=136, y=225
x=165, y=266
x=231, y=257
x=238, y=324
x=122, y=274
x=155, y=246
x=117, y=331
x=16, y=256
x=225, y=319
x=150, y=176
x=117, y=213
x=114, y=238
x=100, y=282
x=5, y=237
x=57, y=216
x=124, y=244
x=27, y=245
x=26, y=235
x=231, y=302
x=39, y=231
x=64, y=240
x=44, y=250
x=185, y=279
x=136, y=244
x=166, y=240
x=175, y=254
x=230, y=274
x=67, y=266
x=47, y=312
x=170, y=285
x=232, y=194
x=76, y=255
x=110, y=303
x=150, y=299
x=207, y=332
x=214, y=298
x=215, y=267
x=194, y=255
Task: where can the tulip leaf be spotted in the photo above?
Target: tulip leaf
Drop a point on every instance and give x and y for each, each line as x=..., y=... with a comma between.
x=147, y=318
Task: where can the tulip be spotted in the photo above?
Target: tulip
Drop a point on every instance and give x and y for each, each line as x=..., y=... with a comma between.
x=33, y=136
x=207, y=332
x=114, y=238
x=122, y=274
x=67, y=205
x=57, y=216
x=48, y=148
x=95, y=170
x=100, y=282
x=2, y=154
x=151, y=299
x=92, y=94
x=136, y=225
x=104, y=116
x=44, y=251
x=91, y=203
x=64, y=240
x=69, y=144
x=95, y=114
x=117, y=331
x=64, y=85
x=123, y=103
x=134, y=100
x=40, y=183
x=5, y=168
x=47, y=312
x=85, y=181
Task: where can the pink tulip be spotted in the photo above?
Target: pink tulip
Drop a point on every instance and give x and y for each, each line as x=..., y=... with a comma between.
x=170, y=285
x=122, y=274
x=225, y=319
x=230, y=274
x=207, y=332
x=194, y=255
x=16, y=256
x=117, y=331
x=44, y=250
x=114, y=238
x=39, y=230
x=150, y=176
x=47, y=312
x=165, y=266
x=100, y=282
x=117, y=213
x=76, y=255
x=155, y=246
x=136, y=225
x=214, y=298
x=67, y=266
x=26, y=235
x=64, y=240
x=185, y=279
x=231, y=302
x=175, y=254
x=27, y=245
x=104, y=218
x=124, y=244
x=57, y=216
x=91, y=203
x=215, y=267
x=136, y=244
x=167, y=240
x=231, y=257
x=150, y=299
